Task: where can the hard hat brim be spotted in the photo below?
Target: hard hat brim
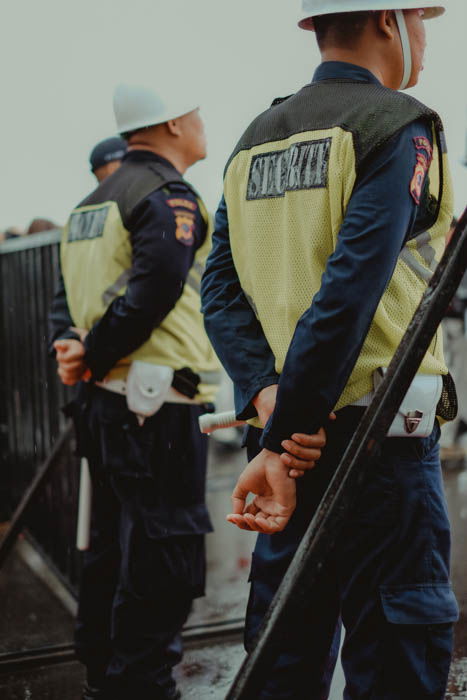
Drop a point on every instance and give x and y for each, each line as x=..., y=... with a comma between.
x=138, y=106
x=163, y=119
x=430, y=12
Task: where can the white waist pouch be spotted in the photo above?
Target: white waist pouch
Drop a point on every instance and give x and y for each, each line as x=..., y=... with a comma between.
x=417, y=412
x=147, y=387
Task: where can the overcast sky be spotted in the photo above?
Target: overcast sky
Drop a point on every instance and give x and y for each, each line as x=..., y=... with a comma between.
x=62, y=59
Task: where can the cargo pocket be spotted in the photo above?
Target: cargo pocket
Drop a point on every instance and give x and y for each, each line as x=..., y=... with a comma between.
x=419, y=604
x=416, y=648
x=167, y=569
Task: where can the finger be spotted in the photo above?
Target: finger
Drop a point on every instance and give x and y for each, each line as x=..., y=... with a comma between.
x=71, y=365
x=237, y=520
x=259, y=514
x=251, y=508
x=332, y=416
x=73, y=370
x=306, y=453
x=293, y=462
x=60, y=352
x=269, y=526
x=256, y=524
x=296, y=473
x=73, y=353
x=239, y=496
x=316, y=440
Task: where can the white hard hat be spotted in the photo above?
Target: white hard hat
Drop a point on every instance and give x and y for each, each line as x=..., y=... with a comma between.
x=313, y=8
x=136, y=106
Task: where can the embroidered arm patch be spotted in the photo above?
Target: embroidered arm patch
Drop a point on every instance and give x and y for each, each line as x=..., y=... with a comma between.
x=424, y=156
x=185, y=226
x=182, y=203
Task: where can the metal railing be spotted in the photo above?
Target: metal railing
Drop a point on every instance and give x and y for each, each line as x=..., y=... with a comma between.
x=30, y=416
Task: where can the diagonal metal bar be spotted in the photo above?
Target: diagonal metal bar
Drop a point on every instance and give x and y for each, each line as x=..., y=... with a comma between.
x=323, y=531
x=30, y=495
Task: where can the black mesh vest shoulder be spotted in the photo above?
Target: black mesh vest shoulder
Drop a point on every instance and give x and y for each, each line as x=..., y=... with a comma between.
x=132, y=183
x=372, y=113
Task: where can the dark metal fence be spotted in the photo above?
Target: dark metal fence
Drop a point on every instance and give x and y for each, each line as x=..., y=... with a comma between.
x=31, y=398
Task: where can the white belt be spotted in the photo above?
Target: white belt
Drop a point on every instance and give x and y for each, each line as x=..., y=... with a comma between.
x=118, y=386
x=417, y=413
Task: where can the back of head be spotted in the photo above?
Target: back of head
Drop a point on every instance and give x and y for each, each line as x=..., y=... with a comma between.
x=107, y=151
x=392, y=48
x=39, y=225
x=341, y=29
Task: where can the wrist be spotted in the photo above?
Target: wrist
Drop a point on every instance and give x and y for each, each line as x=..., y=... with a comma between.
x=271, y=458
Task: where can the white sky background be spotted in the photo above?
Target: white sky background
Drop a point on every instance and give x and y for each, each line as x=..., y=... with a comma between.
x=62, y=59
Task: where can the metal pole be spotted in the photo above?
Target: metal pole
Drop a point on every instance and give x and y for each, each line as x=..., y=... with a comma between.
x=34, y=488
x=325, y=526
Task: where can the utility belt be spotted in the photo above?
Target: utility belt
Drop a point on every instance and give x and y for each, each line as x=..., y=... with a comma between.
x=147, y=387
x=417, y=412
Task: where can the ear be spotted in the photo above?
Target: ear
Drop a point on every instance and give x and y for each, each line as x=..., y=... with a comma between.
x=386, y=23
x=174, y=127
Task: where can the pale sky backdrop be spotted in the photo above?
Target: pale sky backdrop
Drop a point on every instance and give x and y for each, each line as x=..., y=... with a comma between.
x=61, y=60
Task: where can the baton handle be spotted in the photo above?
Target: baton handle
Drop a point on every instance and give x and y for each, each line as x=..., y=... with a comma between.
x=209, y=422
x=83, y=531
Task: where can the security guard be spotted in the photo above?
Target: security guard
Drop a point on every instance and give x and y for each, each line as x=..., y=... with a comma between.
x=106, y=157
x=336, y=205
x=126, y=319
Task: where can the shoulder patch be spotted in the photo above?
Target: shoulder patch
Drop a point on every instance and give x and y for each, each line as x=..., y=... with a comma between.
x=178, y=202
x=424, y=156
x=185, y=226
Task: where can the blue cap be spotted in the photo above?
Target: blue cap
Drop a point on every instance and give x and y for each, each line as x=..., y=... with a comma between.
x=106, y=151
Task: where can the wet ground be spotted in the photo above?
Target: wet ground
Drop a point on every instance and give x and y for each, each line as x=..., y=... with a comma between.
x=31, y=615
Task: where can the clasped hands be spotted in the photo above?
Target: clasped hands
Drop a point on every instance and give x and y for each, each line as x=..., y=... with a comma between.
x=271, y=477
x=70, y=358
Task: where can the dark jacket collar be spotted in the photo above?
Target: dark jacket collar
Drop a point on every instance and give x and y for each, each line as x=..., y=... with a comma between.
x=333, y=70
x=141, y=156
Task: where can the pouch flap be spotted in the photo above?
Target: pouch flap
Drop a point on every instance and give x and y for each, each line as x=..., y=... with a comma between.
x=417, y=412
x=419, y=604
x=423, y=393
x=147, y=387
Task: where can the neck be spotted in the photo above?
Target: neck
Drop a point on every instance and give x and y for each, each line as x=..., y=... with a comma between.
x=363, y=59
x=160, y=149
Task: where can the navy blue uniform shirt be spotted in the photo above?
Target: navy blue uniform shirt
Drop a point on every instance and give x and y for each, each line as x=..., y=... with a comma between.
x=328, y=338
x=161, y=261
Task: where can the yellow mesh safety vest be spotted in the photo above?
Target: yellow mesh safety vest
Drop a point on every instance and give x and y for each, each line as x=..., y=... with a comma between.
x=96, y=265
x=287, y=186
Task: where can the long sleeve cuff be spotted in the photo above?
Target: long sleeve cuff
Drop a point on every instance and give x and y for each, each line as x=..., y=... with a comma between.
x=66, y=335
x=244, y=408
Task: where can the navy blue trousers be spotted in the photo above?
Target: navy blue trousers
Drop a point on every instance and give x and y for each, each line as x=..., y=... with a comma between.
x=146, y=562
x=387, y=580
